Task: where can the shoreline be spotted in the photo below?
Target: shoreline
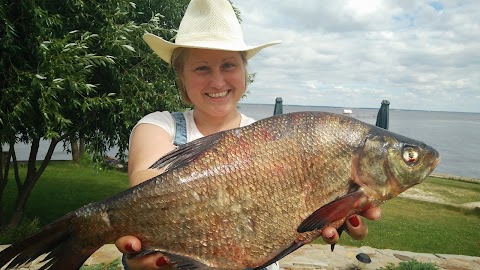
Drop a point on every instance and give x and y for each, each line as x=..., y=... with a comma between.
x=455, y=177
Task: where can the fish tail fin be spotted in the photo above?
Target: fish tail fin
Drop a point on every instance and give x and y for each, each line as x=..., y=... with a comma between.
x=56, y=240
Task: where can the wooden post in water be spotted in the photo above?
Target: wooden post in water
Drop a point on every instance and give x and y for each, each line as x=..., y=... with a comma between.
x=278, y=106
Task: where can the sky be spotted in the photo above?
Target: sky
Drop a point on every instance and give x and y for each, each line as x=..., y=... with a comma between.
x=419, y=55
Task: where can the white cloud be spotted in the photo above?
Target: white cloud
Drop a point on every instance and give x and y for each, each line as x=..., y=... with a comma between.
x=417, y=54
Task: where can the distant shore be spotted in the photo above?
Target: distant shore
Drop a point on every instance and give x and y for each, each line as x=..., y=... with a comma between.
x=454, y=177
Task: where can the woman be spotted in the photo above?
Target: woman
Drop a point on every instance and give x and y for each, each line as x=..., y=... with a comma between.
x=210, y=60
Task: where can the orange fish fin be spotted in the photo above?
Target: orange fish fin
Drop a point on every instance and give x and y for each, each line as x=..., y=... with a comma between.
x=183, y=263
x=331, y=212
x=187, y=152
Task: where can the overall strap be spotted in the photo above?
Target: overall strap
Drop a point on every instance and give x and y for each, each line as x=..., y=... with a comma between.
x=180, y=128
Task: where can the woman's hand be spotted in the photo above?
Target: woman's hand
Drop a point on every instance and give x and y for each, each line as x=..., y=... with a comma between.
x=355, y=226
x=131, y=245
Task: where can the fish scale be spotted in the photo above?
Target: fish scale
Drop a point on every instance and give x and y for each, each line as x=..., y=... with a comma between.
x=245, y=197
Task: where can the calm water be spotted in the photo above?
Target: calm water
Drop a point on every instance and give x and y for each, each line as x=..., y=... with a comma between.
x=454, y=135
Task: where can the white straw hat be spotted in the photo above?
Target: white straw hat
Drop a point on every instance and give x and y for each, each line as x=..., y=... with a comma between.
x=207, y=24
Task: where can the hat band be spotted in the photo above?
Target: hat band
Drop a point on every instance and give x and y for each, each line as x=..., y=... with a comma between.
x=208, y=37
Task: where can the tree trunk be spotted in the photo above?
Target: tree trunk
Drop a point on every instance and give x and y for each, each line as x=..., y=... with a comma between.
x=4, y=170
x=77, y=146
x=74, y=146
x=19, y=209
x=33, y=174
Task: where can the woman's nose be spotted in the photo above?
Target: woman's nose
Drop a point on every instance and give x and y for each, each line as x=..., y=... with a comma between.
x=217, y=79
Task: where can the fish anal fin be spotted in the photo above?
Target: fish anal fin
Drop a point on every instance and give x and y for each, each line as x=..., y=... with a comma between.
x=141, y=254
x=293, y=246
x=185, y=263
x=340, y=230
x=331, y=212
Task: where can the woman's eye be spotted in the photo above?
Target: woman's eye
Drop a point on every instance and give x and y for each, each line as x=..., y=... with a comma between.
x=228, y=65
x=201, y=68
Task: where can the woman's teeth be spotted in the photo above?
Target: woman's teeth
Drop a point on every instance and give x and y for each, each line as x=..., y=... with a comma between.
x=217, y=95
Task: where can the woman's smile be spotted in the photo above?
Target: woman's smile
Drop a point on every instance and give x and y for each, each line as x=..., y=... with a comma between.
x=218, y=94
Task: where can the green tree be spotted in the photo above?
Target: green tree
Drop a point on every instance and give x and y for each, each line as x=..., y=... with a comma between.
x=75, y=70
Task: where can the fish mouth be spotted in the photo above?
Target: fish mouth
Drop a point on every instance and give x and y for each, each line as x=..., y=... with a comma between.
x=218, y=94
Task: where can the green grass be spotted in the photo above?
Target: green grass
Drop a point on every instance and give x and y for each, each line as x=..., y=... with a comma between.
x=410, y=265
x=422, y=227
x=115, y=265
x=452, y=191
x=405, y=224
x=64, y=187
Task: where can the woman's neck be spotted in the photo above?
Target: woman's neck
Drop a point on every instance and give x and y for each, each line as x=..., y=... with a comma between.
x=208, y=124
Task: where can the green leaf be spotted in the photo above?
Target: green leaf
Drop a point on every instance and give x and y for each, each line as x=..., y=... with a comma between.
x=128, y=47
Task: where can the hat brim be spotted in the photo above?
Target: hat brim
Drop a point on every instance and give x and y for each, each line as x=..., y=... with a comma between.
x=164, y=49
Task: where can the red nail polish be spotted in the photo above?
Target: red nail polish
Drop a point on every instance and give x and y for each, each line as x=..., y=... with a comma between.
x=354, y=221
x=129, y=248
x=161, y=262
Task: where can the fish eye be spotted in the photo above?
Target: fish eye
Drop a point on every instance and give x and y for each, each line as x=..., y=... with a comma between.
x=410, y=155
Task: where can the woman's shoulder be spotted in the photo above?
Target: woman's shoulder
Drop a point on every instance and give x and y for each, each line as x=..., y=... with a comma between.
x=156, y=117
x=161, y=119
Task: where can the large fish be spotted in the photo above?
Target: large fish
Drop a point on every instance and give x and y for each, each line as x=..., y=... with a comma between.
x=245, y=197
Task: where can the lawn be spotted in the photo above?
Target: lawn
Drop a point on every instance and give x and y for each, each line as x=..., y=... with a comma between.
x=405, y=225
x=422, y=227
x=66, y=186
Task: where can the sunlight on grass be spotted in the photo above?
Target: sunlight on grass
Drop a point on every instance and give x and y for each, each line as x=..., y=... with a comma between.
x=66, y=186
x=452, y=191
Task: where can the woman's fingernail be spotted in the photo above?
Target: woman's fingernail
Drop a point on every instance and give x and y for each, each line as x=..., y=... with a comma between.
x=161, y=262
x=354, y=221
x=330, y=235
x=129, y=248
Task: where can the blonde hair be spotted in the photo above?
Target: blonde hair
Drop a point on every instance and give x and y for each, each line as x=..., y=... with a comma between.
x=178, y=59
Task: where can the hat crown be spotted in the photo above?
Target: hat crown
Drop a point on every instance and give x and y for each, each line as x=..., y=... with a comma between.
x=209, y=20
x=206, y=24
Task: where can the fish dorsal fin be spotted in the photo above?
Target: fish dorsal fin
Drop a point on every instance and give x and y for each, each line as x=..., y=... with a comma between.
x=331, y=212
x=186, y=263
x=187, y=152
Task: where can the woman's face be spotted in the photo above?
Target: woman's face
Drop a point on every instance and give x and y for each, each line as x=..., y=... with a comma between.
x=214, y=80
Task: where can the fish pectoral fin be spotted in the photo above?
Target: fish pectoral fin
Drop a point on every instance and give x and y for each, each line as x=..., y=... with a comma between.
x=186, y=153
x=331, y=212
x=185, y=263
